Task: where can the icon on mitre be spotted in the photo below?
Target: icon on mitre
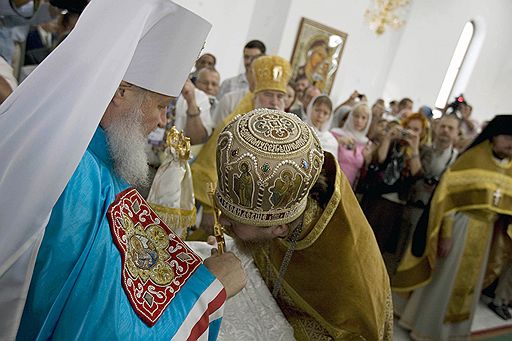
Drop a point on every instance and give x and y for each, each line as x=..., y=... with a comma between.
x=277, y=73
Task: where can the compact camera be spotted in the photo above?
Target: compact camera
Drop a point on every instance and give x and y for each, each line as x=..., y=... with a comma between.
x=432, y=181
x=404, y=133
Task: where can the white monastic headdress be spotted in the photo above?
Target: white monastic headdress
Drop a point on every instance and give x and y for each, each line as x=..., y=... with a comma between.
x=49, y=120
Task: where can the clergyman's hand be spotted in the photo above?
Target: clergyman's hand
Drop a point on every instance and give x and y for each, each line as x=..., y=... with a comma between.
x=228, y=270
x=444, y=247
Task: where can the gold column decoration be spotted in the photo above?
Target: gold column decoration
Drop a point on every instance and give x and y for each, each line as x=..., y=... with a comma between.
x=386, y=13
x=179, y=144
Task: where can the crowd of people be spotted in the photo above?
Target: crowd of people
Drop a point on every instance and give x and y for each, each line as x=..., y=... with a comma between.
x=340, y=218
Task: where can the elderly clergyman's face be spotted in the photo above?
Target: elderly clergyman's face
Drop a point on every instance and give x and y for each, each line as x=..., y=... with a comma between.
x=154, y=108
x=127, y=135
x=269, y=99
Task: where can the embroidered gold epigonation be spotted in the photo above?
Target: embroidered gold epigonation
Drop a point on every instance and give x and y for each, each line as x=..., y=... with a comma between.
x=155, y=262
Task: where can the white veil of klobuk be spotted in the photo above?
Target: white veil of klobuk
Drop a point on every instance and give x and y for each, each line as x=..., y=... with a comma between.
x=49, y=120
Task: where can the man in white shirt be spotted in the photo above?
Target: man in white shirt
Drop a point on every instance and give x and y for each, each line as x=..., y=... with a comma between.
x=252, y=49
x=193, y=114
x=208, y=81
x=190, y=113
x=229, y=101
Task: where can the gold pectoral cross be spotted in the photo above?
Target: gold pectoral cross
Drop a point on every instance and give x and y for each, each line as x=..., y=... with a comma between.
x=496, y=197
x=218, y=230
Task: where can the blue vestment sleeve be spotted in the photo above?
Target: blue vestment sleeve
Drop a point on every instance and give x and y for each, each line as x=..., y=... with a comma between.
x=76, y=291
x=68, y=237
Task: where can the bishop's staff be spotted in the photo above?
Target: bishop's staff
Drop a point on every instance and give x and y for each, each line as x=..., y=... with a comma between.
x=218, y=230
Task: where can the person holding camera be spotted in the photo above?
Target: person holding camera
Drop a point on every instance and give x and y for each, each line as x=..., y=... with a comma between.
x=396, y=166
x=461, y=242
x=436, y=159
x=340, y=113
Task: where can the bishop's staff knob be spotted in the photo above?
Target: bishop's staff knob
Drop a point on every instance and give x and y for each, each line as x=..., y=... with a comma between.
x=218, y=230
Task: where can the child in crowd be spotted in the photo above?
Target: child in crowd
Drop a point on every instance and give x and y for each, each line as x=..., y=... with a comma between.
x=319, y=118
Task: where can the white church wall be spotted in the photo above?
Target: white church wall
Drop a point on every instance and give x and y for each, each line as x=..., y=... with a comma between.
x=267, y=23
x=231, y=20
x=408, y=62
x=366, y=58
x=427, y=45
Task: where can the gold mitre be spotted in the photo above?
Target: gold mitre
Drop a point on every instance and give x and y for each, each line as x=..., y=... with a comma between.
x=267, y=162
x=271, y=73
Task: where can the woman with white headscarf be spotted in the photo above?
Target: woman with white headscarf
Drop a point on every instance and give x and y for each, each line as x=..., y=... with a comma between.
x=354, y=151
x=320, y=118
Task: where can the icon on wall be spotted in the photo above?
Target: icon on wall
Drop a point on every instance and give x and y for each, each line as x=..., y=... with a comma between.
x=317, y=53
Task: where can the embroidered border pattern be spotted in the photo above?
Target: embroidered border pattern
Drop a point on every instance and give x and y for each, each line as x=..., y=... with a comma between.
x=155, y=262
x=281, y=158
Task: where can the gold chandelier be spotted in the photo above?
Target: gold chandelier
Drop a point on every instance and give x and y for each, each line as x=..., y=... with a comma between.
x=386, y=13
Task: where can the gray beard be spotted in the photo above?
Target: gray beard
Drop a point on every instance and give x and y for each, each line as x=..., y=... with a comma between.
x=248, y=247
x=127, y=143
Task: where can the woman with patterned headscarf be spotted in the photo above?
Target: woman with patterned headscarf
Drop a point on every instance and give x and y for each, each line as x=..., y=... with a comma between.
x=397, y=164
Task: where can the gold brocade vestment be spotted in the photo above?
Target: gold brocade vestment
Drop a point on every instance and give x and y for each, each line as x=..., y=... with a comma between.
x=480, y=187
x=336, y=286
x=204, y=168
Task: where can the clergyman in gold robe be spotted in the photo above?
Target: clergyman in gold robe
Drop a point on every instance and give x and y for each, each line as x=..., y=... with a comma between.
x=315, y=251
x=268, y=78
x=465, y=243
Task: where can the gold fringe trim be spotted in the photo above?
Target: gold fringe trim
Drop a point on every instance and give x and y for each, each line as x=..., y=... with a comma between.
x=176, y=218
